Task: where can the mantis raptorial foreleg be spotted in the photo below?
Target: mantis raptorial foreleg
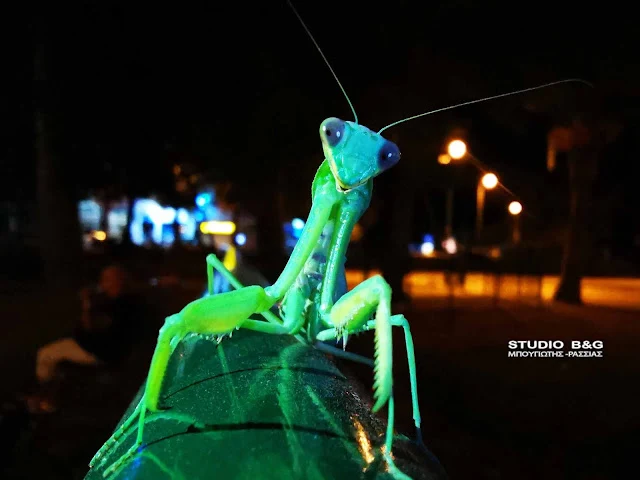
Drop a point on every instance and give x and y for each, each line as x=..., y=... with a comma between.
x=357, y=305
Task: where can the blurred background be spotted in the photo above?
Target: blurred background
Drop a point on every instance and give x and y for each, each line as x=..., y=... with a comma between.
x=151, y=137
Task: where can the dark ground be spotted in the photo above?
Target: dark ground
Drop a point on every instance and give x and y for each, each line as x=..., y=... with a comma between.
x=485, y=416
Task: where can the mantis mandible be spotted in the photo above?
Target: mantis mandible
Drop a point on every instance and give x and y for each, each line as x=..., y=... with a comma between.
x=314, y=306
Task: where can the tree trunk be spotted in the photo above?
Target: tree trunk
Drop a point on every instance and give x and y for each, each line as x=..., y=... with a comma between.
x=60, y=238
x=582, y=164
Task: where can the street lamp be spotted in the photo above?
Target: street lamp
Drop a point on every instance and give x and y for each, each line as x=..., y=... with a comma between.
x=457, y=149
x=488, y=181
x=515, y=208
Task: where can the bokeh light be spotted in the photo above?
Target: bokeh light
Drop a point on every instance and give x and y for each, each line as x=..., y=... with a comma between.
x=515, y=208
x=457, y=149
x=489, y=181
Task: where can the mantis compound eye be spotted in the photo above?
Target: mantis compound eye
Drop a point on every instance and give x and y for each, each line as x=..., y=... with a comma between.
x=388, y=155
x=332, y=131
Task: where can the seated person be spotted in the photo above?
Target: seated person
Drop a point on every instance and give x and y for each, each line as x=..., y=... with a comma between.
x=111, y=324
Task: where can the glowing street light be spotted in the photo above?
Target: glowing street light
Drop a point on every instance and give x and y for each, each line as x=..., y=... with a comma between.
x=457, y=149
x=488, y=181
x=515, y=208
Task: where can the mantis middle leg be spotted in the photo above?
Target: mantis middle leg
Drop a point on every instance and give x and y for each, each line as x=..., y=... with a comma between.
x=214, y=262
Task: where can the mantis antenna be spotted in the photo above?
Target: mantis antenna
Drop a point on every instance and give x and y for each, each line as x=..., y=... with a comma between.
x=485, y=99
x=355, y=116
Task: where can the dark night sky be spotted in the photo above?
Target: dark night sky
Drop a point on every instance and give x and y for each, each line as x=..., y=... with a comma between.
x=241, y=85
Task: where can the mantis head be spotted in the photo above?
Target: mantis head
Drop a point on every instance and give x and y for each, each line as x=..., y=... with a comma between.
x=355, y=153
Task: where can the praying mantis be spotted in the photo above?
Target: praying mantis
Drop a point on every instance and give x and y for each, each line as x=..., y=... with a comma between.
x=341, y=192
x=313, y=304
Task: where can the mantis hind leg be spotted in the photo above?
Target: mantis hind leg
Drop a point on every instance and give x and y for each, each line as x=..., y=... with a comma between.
x=168, y=339
x=221, y=313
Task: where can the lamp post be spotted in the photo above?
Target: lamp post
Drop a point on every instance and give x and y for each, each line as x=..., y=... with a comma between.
x=515, y=208
x=455, y=151
x=488, y=181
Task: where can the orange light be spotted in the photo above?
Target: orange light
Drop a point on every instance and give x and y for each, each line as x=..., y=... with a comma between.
x=444, y=159
x=357, y=233
x=457, y=149
x=515, y=208
x=489, y=181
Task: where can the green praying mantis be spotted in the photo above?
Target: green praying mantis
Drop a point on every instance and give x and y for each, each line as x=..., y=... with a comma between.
x=313, y=306
x=341, y=192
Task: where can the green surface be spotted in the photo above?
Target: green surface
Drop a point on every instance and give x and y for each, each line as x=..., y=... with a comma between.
x=273, y=408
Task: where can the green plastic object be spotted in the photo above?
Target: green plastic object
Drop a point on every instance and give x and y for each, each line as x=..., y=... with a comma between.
x=269, y=407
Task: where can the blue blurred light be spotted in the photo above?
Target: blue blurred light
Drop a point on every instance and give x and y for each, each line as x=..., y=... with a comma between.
x=241, y=239
x=203, y=199
x=428, y=238
x=297, y=224
x=147, y=210
x=183, y=216
x=168, y=235
x=168, y=215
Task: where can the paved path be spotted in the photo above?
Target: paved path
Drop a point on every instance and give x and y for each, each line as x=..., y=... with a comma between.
x=603, y=292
